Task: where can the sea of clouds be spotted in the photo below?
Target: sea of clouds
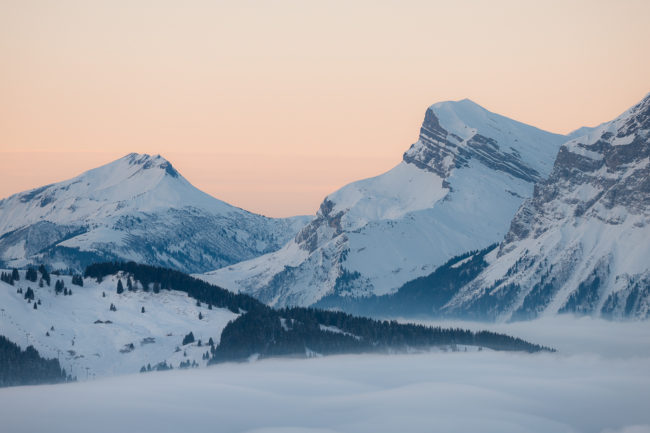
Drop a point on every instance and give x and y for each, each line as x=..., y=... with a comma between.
x=599, y=381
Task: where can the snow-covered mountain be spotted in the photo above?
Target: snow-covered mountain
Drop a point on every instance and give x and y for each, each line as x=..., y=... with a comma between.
x=135, y=208
x=456, y=189
x=581, y=244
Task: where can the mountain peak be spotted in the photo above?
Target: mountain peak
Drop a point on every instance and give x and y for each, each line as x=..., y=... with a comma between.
x=579, y=244
x=150, y=161
x=134, y=182
x=137, y=207
x=456, y=134
x=456, y=190
x=632, y=122
x=461, y=103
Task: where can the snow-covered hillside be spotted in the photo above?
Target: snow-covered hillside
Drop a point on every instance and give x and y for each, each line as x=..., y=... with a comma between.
x=126, y=316
x=456, y=190
x=135, y=208
x=91, y=340
x=581, y=244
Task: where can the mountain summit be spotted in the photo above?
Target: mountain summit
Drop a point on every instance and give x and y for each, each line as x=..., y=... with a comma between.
x=454, y=133
x=580, y=244
x=135, y=208
x=456, y=190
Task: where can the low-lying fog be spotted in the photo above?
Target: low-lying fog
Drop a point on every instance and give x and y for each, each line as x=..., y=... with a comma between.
x=599, y=381
x=570, y=335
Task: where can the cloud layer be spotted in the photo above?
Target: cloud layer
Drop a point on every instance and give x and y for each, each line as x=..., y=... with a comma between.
x=446, y=392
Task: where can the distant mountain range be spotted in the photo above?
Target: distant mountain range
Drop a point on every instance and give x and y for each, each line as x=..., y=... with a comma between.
x=135, y=208
x=484, y=218
x=579, y=245
x=456, y=190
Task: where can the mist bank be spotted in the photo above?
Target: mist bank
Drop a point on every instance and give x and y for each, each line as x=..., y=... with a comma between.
x=570, y=334
x=451, y=392
x=598, y=382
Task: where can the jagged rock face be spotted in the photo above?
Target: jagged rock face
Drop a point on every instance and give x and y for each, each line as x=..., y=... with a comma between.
x=327, y=224
x=580, y=244
x=136, y=208
x=432, y=151
x=456, y=190
x=440, y=151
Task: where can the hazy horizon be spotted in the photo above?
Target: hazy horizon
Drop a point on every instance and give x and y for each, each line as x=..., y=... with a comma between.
x=272, y=107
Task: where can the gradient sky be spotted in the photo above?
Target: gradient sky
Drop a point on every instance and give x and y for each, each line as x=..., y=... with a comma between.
x=273, y=105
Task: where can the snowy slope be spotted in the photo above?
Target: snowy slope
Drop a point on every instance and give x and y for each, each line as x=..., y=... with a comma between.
x=89, y=349
x=456, y=190
x=581, y=243
x=135, y=208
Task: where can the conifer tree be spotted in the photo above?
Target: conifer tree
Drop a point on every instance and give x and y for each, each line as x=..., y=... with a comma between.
x=120, y=288
x=58, y=286
x=189, y=338
x=29, y=294
x=31, y=275
x=44, y=274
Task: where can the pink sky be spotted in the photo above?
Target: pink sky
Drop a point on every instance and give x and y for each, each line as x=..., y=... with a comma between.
x=272, y=105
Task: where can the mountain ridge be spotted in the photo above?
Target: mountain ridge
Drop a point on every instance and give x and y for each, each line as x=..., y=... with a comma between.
x=138, y=207
x=578, y=245
x=373, y=235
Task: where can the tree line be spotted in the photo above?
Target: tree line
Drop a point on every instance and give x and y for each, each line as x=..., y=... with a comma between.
x=27, y=367
x=264, y=331
x=169, y=279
